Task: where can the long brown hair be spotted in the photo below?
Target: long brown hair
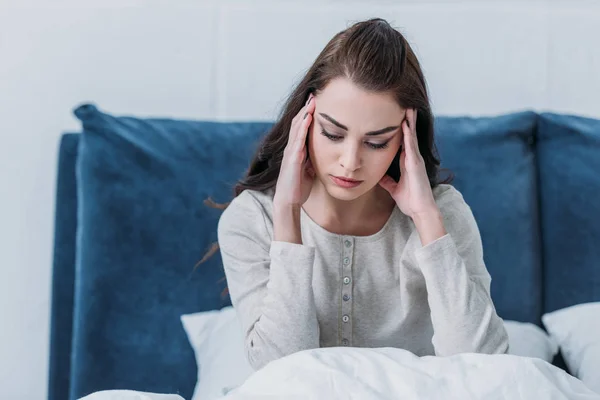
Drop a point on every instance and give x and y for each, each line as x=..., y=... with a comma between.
x=377, y=58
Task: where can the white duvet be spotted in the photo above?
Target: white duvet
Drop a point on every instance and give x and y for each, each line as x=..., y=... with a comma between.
x=389, y=373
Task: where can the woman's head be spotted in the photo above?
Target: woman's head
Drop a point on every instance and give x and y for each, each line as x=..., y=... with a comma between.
x=355, y=134
x=365, y=78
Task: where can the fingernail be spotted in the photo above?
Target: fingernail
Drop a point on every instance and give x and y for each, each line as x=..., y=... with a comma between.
x=305, y=114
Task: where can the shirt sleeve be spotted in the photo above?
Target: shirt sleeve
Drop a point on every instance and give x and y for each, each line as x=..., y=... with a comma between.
x=269, y=282
x=458, y=287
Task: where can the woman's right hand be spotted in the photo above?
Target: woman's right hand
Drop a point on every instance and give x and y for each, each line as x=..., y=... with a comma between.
x=297, y=174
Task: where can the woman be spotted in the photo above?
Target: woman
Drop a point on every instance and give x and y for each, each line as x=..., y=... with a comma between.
x=340, y=234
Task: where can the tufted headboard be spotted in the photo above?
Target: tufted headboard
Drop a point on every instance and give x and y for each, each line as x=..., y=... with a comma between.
x=131, y=225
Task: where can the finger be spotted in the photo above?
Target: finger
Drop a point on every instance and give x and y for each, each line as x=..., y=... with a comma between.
x=413, y=129
x=309, y=108
x=411, y=144
x=310, y=105
x=410, y=157
x=298, y=120
x=410, y=116
x=294, y=126
x=388, y=184
x=305, y=122
x=296, y=151
x=407, y=136
x=402, y=162
x=303, y=131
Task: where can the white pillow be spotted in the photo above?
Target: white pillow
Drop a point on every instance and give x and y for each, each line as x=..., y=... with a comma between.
x=529, y=340
x=218, y=343
x=577, y=331
x=120, y=394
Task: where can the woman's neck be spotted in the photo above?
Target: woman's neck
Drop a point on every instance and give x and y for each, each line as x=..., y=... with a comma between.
x=362, y=216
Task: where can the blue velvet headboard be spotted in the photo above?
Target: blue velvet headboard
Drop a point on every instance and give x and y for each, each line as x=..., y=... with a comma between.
x=131, y=224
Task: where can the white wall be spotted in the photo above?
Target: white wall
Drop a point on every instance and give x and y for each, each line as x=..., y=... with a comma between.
x=232, y=60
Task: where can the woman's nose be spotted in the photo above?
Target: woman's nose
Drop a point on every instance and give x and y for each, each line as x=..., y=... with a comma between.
x=351, y=158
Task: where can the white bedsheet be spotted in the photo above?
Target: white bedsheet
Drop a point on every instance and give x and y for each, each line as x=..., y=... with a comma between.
x=388, y=373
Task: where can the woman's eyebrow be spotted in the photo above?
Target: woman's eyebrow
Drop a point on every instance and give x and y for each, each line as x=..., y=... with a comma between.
x=344, y=127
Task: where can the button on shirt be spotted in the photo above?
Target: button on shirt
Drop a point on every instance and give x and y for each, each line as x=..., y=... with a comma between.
x=382, y=290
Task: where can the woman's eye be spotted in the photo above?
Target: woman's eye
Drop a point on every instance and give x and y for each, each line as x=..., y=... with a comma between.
x=378, y=145
x=335, y=138
x=330, y=137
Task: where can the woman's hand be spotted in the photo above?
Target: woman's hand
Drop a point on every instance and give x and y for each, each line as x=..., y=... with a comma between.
x=412, y=193
x=296, y=175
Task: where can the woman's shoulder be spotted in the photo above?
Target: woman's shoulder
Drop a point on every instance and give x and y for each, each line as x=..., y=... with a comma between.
x=250, y=208
x=445, y=193
x=450, y=200
x=457, y=214
x=254, y=200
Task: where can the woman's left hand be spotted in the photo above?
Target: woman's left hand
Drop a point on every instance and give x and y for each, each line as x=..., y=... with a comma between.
x=412, y=192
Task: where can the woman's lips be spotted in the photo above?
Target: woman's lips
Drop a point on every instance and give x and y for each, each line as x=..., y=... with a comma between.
x=342, y=182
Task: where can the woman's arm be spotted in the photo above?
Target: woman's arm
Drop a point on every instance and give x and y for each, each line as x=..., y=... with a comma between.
x=430, y=226
x=458, y=285
x=270, y=284
x=286, y=225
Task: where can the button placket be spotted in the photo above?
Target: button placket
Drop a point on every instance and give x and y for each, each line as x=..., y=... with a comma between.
x=346, y=290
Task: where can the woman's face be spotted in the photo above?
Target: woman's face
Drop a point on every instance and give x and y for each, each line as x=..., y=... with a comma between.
x=339, y=141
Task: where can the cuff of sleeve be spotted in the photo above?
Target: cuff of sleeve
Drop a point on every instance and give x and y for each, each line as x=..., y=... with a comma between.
x=438, y=252
x=291, y=259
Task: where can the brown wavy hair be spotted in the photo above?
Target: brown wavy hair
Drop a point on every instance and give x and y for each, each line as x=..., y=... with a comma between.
x=377, y=58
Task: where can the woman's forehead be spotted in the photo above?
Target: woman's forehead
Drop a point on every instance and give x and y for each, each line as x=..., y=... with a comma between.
x=357, y=108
